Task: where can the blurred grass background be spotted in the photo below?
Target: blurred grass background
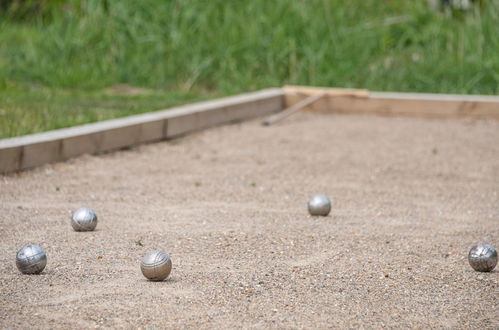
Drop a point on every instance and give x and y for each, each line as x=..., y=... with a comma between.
x=59, y=60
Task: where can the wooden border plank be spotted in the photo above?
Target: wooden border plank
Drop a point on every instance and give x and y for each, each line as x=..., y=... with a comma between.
x=10, y=158
x=407, y=104
x=37, y=149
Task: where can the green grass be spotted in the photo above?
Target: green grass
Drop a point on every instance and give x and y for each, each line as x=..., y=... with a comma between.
x=191, y=49
x=40, y=110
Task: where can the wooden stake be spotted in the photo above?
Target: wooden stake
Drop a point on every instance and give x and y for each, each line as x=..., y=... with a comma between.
x=292, y=109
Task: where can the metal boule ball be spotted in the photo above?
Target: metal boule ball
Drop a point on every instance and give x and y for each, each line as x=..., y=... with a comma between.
x=483, y=257
x=156, y=265
x=319, y=205
x=31, y=259
x=84, y=219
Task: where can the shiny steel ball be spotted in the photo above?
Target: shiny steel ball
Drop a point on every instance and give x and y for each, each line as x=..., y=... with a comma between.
x=31, y=259
x=319, y=205
x=483, y=257
x=84, y=219
x=156, y=265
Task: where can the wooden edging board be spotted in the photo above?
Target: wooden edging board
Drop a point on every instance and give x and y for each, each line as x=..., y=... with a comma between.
x=409, y=104
x=37, y=149
x=33, y=150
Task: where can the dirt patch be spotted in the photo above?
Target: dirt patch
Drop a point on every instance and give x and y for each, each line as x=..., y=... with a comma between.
x=410, y=197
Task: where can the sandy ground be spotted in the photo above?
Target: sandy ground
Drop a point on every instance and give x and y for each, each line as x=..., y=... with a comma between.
x=229, y=205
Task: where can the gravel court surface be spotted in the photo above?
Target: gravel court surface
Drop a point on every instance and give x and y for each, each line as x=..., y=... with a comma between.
x=410, y=197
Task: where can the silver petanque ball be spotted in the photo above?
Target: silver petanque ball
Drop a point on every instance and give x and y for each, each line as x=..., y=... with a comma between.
x=31, y=259
x=319, y=205
x=156, y=265
x=483, y=257
x=84, y=219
